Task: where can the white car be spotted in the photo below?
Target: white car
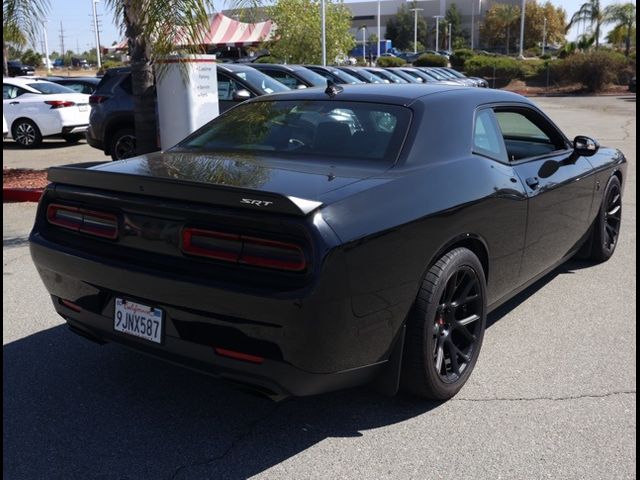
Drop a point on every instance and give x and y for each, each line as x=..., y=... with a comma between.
x=34, y=109
x=5, y=129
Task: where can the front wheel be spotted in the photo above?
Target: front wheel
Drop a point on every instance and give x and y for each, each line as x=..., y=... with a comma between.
x=446, y=327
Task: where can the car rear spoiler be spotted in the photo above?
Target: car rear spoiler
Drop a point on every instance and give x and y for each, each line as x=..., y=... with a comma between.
x=81, y=175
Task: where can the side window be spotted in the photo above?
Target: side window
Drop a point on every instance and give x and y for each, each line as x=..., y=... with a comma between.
x=284, y=78
x=76, y=87
x=487, y=140
x=11, y=91
x=527, y=134
x=226, y=87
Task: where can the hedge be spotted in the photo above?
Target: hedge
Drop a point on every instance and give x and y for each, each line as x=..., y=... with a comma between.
x=390, y=62
x=459, y=58
x=431, y=60
x=594, y=70
x=499, y=67
x=267, y=59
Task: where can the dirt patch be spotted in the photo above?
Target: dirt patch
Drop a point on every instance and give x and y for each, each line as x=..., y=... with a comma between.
x=24, y=178
x=521, y=87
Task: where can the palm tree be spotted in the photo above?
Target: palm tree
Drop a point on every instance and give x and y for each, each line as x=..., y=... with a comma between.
x=21, y=22
x=592, y=13
x=153, y=29
x=625, y=16
x=506, y=15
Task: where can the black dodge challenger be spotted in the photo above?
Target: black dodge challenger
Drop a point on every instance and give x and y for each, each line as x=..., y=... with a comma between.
x=318, y=239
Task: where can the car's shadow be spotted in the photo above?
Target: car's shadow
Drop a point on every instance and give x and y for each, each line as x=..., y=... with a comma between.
x=73, y=409
x=47, y=144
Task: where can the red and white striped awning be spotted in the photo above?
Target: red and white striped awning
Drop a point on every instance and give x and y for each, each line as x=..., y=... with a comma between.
x=227, y=31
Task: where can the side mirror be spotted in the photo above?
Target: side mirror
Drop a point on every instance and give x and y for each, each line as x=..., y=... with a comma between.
x=585, y=146
x=241, y=95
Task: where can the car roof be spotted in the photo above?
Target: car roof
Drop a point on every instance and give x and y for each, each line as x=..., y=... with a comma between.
x=23, y=81
x=398, y=94
x=234, y=67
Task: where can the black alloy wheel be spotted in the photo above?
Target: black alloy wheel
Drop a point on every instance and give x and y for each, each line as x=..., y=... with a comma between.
x=456, y=324
x=123, y=144
x=446, y=327
x=607, y=225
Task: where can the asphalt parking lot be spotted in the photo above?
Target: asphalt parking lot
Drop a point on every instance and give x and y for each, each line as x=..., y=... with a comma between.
x=553, y=394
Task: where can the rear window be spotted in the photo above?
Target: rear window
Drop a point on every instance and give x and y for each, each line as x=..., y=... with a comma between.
x=307, y=129
x=49, y=88
x=259, y=81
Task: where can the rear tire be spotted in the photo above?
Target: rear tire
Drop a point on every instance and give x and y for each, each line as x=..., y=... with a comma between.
x=606, y=228
x=123, y=144
x=446, y=327
x=26, y=133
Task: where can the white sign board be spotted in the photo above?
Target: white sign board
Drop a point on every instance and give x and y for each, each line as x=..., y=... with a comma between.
x=187, y=91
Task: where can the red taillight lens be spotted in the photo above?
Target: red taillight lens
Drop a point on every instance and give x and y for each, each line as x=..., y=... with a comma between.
x=99, y=224
x=239, y=355
x=96, y=99
x=60, y=103
x=71, y=305
x=243, y=249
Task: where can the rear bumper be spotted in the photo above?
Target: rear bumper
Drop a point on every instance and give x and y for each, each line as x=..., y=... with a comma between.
x=310, y=344
x=71, y=129
x=93, y=140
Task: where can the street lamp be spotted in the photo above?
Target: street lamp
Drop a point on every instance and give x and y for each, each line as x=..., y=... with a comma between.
x=437, y=17
x=521, y=54
x=415, y=27
x=95, y=27
x=378, y=17
x=364, y=43
x=46, y=46
x=450, y=37
x=544, y=34
x=473, y=20
x=324, y=33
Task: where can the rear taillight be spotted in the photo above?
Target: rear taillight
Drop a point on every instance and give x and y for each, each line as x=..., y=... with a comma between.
x=258, y=252
x=96, y=99
x=60, y=103
x=99, y=224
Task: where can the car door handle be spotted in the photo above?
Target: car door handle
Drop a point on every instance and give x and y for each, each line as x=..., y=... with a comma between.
x=14, y=103
x=533, y=182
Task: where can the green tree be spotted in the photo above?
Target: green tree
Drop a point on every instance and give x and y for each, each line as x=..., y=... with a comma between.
x=535, y=14
x=590, y=12
x=400, y=29
x=618, y=36
x=623, y=15
x=153, y=29
x=21, y=22
x=31, y=58
x=452, y=17
x=297, y=37
x=498, y=22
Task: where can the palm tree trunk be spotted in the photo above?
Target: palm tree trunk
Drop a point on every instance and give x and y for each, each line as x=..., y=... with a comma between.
x=142, y=83
x=627, y=41
x=508, y=35
x=597, y=35
x=5, y=56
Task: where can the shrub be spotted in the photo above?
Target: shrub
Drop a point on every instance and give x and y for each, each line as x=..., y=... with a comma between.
x=594, y=70
x=267, y=59
x=532, y=68
x=107, y=64
x=506, y=68
x=459, y=58
x=390, y=62
x=431, y=60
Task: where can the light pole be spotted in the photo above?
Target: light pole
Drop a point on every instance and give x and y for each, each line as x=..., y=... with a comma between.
x=473, y=20
x=450, y=38
x=95, y=26
x=544, y=34
x=46, y=46
x=437, y=17
x=324, y=34
x=415, y=28
x=364, y=43
x=521, y=54
x=378, y=17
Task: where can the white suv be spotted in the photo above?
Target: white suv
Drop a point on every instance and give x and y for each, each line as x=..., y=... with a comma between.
x=36, y=108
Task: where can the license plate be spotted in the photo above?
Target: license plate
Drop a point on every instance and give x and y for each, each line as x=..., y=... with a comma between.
x=83, y=108
x=139, y=320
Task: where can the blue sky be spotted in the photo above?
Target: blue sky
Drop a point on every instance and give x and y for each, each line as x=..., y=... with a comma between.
x=77, y=21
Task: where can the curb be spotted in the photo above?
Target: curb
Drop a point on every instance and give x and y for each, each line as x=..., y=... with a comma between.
x=21, y=194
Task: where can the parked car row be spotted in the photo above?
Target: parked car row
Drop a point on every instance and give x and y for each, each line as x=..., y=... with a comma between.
x=110, y=127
